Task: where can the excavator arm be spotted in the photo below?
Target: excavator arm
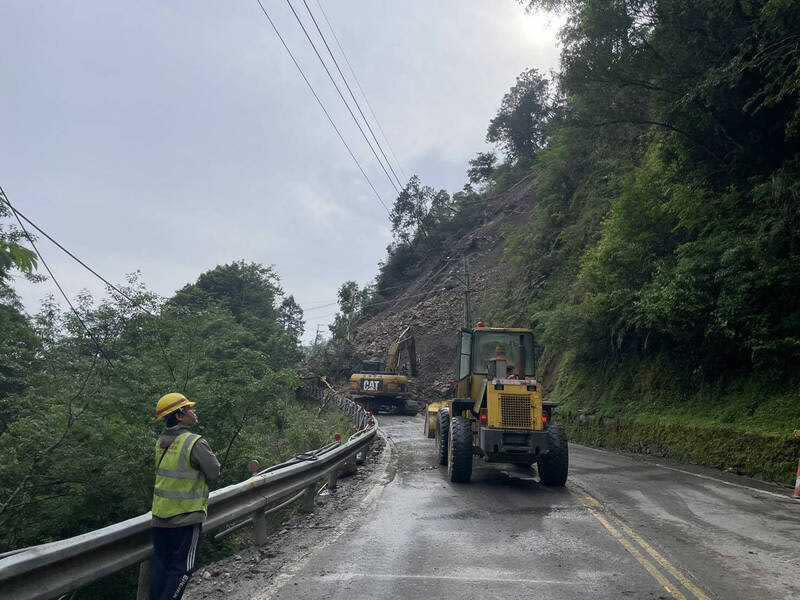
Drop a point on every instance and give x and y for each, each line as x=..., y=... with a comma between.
x=405, y=341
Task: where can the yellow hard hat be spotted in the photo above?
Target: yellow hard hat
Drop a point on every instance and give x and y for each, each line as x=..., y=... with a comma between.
x=169, y=403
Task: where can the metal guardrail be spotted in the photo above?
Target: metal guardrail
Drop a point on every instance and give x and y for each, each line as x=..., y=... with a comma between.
x=52, y=570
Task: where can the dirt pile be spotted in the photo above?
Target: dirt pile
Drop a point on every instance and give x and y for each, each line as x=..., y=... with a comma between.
x=433, y=303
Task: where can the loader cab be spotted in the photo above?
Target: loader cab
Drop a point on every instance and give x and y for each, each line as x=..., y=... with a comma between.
x=479, y=350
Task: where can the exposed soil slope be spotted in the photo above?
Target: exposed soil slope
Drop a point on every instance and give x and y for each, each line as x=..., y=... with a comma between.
x=433, y=303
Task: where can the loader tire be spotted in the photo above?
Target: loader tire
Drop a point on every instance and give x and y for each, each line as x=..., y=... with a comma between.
x=459, y=453
x=443, y=436
x=554, y=465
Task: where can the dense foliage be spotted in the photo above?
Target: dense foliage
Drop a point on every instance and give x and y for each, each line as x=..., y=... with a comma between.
x=666, y=216
x=423, y=220
x=76, y=409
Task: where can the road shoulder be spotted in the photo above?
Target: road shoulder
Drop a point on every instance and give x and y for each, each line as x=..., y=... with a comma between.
x=256, y=572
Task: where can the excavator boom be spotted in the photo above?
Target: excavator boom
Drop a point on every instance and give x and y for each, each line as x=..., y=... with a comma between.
x=405, y=341
x=387, y=388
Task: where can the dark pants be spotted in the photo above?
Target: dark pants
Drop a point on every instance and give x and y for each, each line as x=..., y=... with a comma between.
x=174, y=556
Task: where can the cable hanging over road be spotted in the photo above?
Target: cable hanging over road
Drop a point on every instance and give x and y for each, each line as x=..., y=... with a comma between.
x=361, y=89
x=137, y=304
x=425, y=286
x=352, y=95
x=341, y=95
x=322, y=106
x=99, y=347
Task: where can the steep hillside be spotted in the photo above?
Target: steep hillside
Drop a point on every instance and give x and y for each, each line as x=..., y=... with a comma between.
x=652, y=239
x=433, y=302
x=637, y=405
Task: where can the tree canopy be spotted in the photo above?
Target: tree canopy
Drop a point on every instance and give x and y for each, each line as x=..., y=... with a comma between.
x=76, y=431
x=666, y=216
x=520, y=127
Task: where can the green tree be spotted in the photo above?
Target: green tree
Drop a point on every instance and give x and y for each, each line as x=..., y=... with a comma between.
x=13, y=255
x=290, y=315
x=482, y=167
x=77, y=438
x=252, y=294
x=667, y=208
x=520, y=127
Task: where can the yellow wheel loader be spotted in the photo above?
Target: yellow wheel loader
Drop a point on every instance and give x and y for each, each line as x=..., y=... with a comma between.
x=498, y=414
x=382, y=386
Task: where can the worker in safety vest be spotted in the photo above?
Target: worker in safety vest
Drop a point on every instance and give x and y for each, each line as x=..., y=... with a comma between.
x=184, y=466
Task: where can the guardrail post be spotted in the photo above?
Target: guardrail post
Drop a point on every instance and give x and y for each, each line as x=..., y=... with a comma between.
x=349, y=466
x=260, y=527
x=333, y=477
x=361, y=456
x=143, y=587
x=309, y=499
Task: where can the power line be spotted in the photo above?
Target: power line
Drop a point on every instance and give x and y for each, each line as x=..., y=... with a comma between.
x=322, y=106
x=136, y=303
x=352, y=95
x=89, y=332
x=363, y=93
x=402, y=285
x=321, y=306
x=366, y=287
x=390, y=300
x=341, y=96
x=371, y=285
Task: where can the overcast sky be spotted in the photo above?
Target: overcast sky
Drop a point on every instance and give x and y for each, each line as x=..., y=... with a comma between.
x=173, y=136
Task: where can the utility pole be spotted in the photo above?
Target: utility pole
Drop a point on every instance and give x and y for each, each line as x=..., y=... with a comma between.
x=316, y=337
x=467, y=291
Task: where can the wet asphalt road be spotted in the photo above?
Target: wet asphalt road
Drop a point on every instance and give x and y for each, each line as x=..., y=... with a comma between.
x=623, y=528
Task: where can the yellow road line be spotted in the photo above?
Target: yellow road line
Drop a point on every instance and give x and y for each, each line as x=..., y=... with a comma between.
x=649, y=567
x=682, y=579
x=594, y=507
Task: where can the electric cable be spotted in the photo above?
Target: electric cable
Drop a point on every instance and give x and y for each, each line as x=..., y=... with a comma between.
x=89, y=332
x=352, y=95
x=428, y=279
x=326, y=305
x=321, y=306
x=341, y=96
x=389, y=301
x=322, y=106
x=371, y=285
x=363, y=93
x=137, y=304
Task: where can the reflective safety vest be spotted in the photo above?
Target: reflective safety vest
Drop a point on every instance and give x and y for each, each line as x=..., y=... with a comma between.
x=179, y=488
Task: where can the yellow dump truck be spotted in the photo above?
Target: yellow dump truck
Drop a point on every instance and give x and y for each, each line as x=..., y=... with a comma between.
x=498, y=413
x=384, y=386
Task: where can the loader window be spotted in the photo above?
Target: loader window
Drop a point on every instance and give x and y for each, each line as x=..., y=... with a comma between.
x=465, y=349
x=513, y=344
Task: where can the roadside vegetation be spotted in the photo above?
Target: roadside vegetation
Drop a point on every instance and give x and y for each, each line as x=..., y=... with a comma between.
x=78, y=391
x=660, y=265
